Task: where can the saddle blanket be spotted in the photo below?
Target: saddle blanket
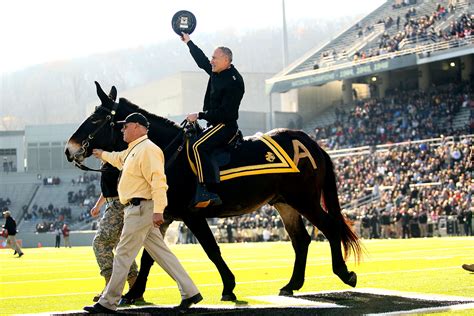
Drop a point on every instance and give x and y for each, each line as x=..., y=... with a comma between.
x=257, y=155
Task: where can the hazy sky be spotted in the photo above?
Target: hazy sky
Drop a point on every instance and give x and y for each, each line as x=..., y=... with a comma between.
x=38, y=31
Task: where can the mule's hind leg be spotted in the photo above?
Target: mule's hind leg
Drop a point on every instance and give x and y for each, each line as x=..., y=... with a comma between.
x=332, y=230
x=300, y=240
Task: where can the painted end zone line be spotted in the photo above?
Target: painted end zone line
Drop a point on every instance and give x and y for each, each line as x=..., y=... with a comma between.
x=292, y=301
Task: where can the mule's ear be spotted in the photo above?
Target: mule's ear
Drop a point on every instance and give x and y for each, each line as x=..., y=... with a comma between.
x=113, y=93
x=102, y=96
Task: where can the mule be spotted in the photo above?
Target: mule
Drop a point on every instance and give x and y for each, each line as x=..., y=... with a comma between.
x=291, y=172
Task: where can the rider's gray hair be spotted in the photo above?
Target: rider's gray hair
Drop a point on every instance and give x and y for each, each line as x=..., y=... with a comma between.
x=226, y=51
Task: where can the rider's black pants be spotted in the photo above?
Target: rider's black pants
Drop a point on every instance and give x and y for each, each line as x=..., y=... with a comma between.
x=212, y=138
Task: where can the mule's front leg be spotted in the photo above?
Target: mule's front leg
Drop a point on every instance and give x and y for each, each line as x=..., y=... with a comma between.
x=300, y=241
x=198, y=225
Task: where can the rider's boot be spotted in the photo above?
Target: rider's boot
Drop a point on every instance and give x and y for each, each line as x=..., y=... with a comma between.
x=203, y=198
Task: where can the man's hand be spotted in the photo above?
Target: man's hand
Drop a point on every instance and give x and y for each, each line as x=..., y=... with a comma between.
x=95, y=211
x=192, y=117
x=185, y=37
x=157, y=219
x=97, y=153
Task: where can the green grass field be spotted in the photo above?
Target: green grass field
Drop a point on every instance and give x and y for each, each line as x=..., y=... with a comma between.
x=49, y=279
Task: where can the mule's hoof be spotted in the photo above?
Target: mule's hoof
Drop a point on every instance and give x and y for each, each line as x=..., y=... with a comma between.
x=352, y=280
x=228, y=297
x=284, y=292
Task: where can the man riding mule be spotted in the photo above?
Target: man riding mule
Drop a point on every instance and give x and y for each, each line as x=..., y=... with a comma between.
x=284, y=168
x=225, y=90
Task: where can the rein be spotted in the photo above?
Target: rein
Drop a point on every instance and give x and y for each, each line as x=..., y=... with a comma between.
x=180, y=147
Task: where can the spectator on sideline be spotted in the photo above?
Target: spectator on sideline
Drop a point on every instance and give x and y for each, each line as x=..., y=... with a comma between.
x=57, y=234
x=66, y=231
x=10, y=226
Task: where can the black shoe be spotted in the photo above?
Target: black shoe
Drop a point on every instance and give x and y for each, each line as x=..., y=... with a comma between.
x=204, y=198
x=99, y=309
x=187, y=302
x=21, y=254
x=15, y=253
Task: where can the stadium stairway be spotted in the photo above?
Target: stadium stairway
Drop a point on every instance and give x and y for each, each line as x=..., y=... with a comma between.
x=462, y=118
x=19, y=188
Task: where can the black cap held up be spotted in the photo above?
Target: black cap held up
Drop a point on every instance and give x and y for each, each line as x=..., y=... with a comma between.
x=136, y=118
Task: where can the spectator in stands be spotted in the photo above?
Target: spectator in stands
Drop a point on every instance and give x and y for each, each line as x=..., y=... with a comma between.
x=142, y=188
x=110, y=226
x=10, y=227
x=66, y=231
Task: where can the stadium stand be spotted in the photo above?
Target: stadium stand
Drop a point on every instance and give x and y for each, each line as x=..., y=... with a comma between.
x=380, y=26
x=402, y=116
x=49, y=205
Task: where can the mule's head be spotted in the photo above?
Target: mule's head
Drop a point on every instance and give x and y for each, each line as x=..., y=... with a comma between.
x=99, y=130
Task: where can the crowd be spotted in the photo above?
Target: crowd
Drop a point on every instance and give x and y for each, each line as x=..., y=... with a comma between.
x=51, y=181
x=416, y=29
x=48, y=217
x=86, y=178
x=4, y=203
x=399, y=117
x=397, y=4
x=85, y=198
x=409, y=182
x=418, y=190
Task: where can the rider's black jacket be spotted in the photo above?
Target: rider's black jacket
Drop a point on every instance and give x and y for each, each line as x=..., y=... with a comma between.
x=224, y=91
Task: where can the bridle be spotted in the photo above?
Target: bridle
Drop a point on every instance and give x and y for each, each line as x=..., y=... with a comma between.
x=109, y=119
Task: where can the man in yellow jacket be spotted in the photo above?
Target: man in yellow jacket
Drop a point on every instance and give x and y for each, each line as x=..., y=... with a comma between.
x=142, y=189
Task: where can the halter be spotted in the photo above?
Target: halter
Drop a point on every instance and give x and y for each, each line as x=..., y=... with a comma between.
x=109, y=119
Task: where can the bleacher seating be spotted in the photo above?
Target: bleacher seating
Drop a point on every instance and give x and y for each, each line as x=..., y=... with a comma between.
x=19, y=188
x=369, y=31
x=29, y=190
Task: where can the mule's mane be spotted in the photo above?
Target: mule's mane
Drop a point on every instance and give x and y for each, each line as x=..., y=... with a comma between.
x=150, y=116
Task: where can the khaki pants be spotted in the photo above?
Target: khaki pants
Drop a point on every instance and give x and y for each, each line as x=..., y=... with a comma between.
x=11, y=240
x=138, y=231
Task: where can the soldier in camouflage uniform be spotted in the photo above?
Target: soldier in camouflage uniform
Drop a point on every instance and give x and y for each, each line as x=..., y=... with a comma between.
x=110, y=226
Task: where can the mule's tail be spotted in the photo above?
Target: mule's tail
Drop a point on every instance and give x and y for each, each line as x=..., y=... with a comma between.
x=349, y=239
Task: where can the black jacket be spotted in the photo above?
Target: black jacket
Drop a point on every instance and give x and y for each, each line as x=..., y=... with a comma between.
x=10, y=226
x=224, y=91
x=109, y=180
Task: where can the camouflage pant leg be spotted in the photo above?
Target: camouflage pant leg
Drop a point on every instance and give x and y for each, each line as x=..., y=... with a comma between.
x=107, y=238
